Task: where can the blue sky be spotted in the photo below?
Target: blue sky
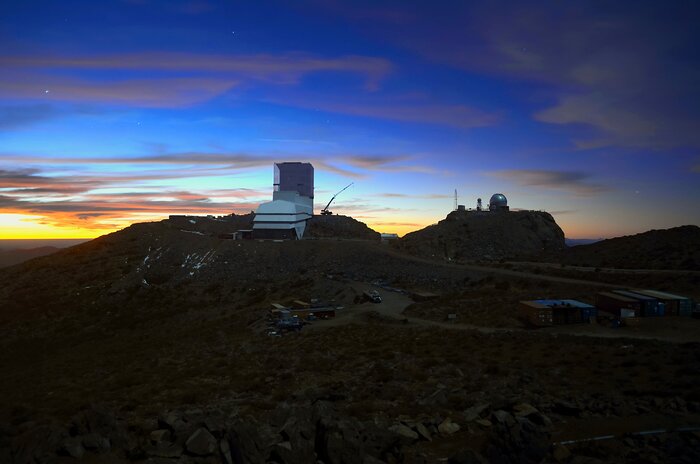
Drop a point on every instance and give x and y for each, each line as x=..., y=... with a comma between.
x=114, y=112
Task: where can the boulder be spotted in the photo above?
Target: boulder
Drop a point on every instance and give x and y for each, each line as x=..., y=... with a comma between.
x=159, y=436
x=404, y=432
x=226, y=452
x=503, y=417
x=475, y=412
x=73, y=447
x=95, y=419
x=96, y=442
x=423, y=431
x=447, y=427
x=201, y=443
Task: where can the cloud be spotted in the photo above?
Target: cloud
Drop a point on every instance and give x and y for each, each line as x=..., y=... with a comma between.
x=174, y=79
x=208, y=163
x=101, y=197
x=75, y=201
x=571, y=181
x=148, y=93
x=430, y=196
x=629, y=74
x=417, y=111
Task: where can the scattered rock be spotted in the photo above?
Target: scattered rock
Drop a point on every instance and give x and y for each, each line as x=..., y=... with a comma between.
x=447, y=427
x=226, y=451
x=503, y=417
x=160, y=435
x=475, y=412
x=73, y=447
x=484, y=422
x=95, y=442
x=201, y=443
x=404, y=431
x=423, y=431
x=524, y=409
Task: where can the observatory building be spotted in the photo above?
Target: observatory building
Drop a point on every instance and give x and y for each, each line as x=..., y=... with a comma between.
x=498, y=202
x=292, y=204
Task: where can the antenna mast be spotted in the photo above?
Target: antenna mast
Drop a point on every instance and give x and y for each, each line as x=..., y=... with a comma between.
x=455, y=209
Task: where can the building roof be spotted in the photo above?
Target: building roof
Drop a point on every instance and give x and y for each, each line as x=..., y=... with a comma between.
x=498, y=199
x=661, y=295
x=635, y=296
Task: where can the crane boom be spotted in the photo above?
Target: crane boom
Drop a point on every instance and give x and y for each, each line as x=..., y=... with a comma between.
x=325, y=211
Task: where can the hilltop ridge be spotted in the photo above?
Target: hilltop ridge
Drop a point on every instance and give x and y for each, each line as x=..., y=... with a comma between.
x=674, y=248
x=487, y=236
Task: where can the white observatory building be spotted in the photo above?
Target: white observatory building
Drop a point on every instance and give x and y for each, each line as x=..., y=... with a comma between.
x=292, y=205
x=498, y=202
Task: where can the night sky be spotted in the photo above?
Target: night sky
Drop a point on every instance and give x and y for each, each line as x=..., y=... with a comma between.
x=114, y=112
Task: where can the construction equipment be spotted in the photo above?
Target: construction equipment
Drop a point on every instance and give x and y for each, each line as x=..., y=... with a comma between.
x=325, y=211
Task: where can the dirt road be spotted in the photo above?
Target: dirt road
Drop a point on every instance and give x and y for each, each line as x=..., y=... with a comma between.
x=674, y=330
x=498, y=271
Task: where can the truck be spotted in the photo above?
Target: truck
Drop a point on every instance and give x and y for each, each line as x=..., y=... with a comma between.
x=373, y=296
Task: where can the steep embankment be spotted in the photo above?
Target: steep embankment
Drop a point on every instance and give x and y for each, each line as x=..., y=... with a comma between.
x=471, y=235
x=676, y=248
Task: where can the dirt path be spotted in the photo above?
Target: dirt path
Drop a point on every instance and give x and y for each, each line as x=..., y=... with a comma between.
x=498, y=271
x=611, y=270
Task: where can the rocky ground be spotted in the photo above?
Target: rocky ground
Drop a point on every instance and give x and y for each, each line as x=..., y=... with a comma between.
x=149, y=345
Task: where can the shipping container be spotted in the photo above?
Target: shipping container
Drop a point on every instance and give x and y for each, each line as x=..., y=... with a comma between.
x=556, y=312
x=675, y=305
x=535, y=313
x=614, y=303
x=649, y=305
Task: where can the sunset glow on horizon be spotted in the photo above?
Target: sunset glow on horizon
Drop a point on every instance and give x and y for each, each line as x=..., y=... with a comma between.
x=125, y=111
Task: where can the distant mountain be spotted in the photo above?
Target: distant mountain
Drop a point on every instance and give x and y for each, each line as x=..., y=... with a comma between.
x=676, y=248
x=489, y=236
x=25, y=244
x=12, y=257
x=570, y=242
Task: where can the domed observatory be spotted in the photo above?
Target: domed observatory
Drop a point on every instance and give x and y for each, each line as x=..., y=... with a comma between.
x=498, y=202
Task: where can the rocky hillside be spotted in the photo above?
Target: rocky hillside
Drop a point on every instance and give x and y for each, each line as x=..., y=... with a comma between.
x=337, y=226
x=184, y=261
x=470, y=235
x=676, y=248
